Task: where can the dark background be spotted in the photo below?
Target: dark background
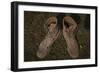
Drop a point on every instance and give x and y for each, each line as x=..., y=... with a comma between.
x=35, y=30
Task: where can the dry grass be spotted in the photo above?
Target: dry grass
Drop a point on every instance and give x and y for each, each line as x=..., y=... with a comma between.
x=34, y=33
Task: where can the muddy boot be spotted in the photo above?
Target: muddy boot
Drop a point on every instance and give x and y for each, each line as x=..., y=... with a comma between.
x=51, y=36
x=69, y=33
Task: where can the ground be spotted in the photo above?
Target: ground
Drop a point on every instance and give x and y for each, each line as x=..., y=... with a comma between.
x=35, y=31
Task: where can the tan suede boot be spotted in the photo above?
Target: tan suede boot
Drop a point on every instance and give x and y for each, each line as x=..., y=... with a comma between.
x=69, y=33
x=52, y=35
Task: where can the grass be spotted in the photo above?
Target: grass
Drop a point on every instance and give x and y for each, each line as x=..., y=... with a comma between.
x=34, y=33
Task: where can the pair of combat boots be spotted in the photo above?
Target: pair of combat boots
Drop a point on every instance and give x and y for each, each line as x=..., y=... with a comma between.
x=65, y=25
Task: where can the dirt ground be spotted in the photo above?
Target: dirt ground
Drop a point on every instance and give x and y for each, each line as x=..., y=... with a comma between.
x=35, y=31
